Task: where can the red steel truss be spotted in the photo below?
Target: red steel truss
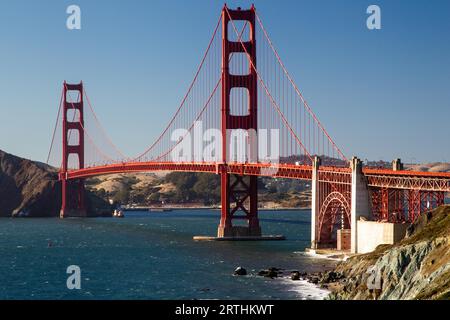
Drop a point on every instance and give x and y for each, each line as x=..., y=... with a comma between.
x=388, y=204
x=289, y=171
x=409, y=180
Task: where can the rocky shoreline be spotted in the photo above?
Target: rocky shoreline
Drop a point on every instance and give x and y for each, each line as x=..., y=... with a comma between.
x=295, y=275
x=319, y=280
x=416, y=268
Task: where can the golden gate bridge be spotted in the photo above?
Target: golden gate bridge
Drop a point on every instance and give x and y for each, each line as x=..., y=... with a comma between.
x=241, y=84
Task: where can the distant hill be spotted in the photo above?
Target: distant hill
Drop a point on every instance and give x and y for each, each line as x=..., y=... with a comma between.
x=430, y=167
x=193, y=189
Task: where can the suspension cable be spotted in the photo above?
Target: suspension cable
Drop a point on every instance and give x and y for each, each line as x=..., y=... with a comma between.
x=101, y=127
x=88, y=135
x=196, y=119
x=267, y=90
x=56, y=127
x=305, y=103
x=186, y=95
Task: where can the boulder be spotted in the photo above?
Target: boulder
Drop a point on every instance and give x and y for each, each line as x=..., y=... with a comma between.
x=295, y=275
x=270, y=273
x=262, y=273
x=240, y=271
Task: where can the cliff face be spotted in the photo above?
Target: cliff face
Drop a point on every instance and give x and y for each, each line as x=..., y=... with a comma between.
x=416, y=268
x=33, y=189
x=27, y=187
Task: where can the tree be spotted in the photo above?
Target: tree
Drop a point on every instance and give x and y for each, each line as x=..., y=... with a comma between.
x=122, y=196
x=207, y=188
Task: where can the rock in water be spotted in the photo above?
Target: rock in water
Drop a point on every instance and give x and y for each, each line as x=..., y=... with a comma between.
x=239, y=271
x=271, y=274
x=274, y=269
x=262, y=273
x=295, y=275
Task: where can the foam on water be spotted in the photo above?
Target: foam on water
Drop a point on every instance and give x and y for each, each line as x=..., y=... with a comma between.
x=331, y=257
x=306, y=290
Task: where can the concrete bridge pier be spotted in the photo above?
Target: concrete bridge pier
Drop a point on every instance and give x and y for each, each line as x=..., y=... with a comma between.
x=397, y=165
x=315, y=201
x=360, y=200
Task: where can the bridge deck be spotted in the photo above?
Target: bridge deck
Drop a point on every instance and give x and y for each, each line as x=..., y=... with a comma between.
x=382, y=178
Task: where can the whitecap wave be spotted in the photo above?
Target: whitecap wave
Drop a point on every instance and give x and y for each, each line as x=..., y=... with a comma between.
x=306, y=290
x=331, y=256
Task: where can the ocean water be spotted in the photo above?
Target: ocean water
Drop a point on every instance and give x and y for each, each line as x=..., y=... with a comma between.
x=152, y=256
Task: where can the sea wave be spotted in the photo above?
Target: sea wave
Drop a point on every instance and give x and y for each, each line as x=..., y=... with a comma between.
x=306, y=290
x=332, y=256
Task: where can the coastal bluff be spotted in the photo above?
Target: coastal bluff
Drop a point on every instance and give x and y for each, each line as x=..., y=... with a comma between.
x=32, y=189
x=416, y=268
x=28, y=188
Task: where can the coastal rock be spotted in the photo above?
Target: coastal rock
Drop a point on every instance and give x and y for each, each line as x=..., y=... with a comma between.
x=270, y=273
x=314, y=279
x=416, y=268
x=295, y=275
x=262, y=273
x=274, y=269
x=331, y=276
x=240, y=271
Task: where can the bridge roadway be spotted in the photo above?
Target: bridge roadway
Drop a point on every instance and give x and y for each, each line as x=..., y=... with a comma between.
x=381, y=178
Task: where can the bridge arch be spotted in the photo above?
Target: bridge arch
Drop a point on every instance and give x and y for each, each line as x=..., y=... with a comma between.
x=336, y=205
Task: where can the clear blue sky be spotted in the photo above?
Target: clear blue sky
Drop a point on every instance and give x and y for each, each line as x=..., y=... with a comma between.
x=380, y=94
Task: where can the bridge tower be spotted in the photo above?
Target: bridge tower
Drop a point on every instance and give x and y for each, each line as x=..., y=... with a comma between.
x=239, y=193
x=72, y=204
